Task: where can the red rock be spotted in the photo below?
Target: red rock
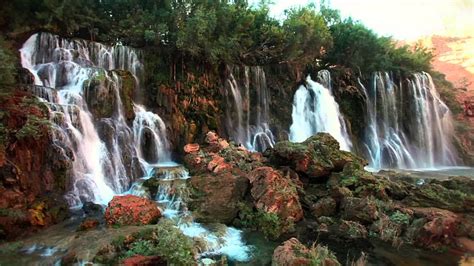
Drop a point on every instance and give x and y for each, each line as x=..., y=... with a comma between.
x=286, y=254
x=440, y=227
x=88, y=224
x=223, y=144
x=218, y=164
x=211, y=137
x=274, y=193
x=139, y=260
x=191, y=148
x=131, y=210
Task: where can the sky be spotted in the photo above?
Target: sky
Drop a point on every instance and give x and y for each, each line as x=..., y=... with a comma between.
x=402, y=19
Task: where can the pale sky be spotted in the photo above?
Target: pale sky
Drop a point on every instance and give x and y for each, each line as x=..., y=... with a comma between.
x=402, y=19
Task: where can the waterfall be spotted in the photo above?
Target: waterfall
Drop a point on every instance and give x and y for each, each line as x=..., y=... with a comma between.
x=71, y=76
x=315, y=110
x=247, y=108
x=407, y=128
x=150, y=137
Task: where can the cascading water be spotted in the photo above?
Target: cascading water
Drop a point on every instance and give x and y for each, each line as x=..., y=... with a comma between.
x=102, y=159
x=407, y=128
x=247, y=109
x=70, y=76
x=315, y=110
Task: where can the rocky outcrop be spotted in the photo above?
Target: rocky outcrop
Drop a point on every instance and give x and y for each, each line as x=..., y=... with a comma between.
x=293, y=253
x=33, y=174
x=131, y=210
x=273, y=193
x=316, y=157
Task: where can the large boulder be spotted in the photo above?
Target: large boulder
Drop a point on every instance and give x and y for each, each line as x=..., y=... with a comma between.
x=293, y=253
x=274, y=193
x=131, y=210
x=216, y=197
x=316, y=157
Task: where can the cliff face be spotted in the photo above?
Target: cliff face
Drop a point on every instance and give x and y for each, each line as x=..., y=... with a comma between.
x=199, y=99
x=33, y=174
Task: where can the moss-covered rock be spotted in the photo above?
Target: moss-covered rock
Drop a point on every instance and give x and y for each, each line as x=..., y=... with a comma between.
x=164, y=240
x=316, y=157
x=293, y=253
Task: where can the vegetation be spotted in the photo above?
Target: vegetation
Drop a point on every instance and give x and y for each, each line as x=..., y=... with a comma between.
x=7, y=66
x=269, y=224
x=164, y=240
x=218, y=31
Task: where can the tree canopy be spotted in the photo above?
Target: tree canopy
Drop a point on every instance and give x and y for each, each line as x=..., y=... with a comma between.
x=216, y=31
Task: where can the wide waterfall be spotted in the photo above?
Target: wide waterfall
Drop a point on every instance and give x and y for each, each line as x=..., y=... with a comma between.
x=247, y=108
x=407, y=127
x=316, y=110
x=84, y=91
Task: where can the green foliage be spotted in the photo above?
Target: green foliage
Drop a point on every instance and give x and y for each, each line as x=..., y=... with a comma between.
x=12, y=213
x=164, y=240
x=318, y=255
x=7, y=66
x=33, y=128
x=268, y=223
x=359, y=48
x=400, y=218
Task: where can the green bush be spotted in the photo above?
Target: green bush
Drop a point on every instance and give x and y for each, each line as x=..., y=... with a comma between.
x=164, y=240
x=7, y=65
x=268, y=223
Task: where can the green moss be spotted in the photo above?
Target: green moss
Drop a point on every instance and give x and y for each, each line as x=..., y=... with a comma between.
x=268, y=223
x=164, y=240
x=400, y=218
x=11, y=247
x=33, y=128
x=12, y=213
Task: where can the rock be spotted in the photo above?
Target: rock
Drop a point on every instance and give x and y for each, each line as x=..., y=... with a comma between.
x=455, y=195
x=223, y=144
x=88, y=224
x=218, y=164
x=274, y=193
x=352, y=230
x=139, y=260
x=360, y=210
x=293, y=253
x=316, y=157
x=93, y=210
x=211, y=137
x=131, y=210
x=216, y=196
x=324, y=207
x=191, y=148
x=438, y=229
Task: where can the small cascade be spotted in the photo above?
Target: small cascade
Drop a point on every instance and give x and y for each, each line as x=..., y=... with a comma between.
x=247, y=112
x=72, y=76
x=171, y=195
x=407, y=127
x=150, y=137
x=315, y=110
